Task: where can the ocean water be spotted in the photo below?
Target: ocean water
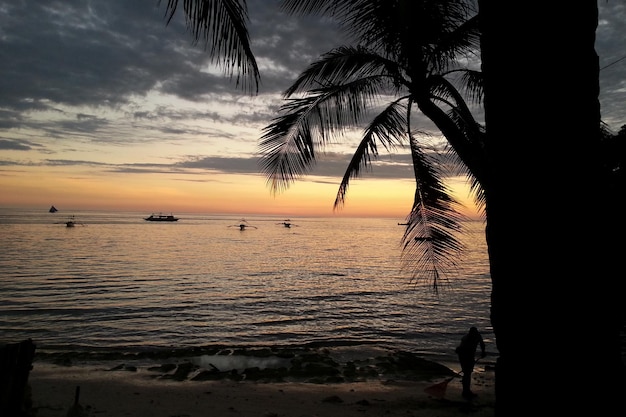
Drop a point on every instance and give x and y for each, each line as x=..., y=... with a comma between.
x=116, y=282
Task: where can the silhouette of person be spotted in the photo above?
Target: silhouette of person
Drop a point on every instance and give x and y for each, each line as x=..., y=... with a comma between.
x=467, y=352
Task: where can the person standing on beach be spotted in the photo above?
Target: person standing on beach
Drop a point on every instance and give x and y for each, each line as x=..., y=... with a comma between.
x=467, y=352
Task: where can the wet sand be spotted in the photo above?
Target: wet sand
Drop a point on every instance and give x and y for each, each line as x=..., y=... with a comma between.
x=109, y=393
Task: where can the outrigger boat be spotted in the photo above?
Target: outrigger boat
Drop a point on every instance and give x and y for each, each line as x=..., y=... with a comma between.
x=287, y=223
x=71, y=222
x=243, y=225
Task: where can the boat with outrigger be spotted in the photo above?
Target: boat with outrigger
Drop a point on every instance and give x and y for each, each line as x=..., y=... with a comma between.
x=287, y=223
x=70, y=222
x=243, y=225
x=161, y=218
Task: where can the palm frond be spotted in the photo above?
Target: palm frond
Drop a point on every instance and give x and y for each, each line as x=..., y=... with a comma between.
x=458, y=168
x=473, y=83
x=461, y=38
x=402, y=28
x=343, y=65
x=325, y=7
x=442, y=89
x=478, y=193
x=409, y=30
x=323, y=114
x=386, y=128
x=430, y=240
x=222, y=26
x=288, y=148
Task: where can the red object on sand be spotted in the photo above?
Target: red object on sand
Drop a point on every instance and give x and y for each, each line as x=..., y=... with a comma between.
x=438, y=390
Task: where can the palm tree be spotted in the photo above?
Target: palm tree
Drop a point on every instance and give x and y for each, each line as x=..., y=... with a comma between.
x=557, y=285
x=407, y=53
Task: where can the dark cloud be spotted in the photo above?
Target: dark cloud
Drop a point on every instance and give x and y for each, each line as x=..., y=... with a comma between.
x=16, y=145
x=103, y=53
x=69, y=162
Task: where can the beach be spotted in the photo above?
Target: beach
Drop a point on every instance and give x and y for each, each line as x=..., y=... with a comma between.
x=140, y=393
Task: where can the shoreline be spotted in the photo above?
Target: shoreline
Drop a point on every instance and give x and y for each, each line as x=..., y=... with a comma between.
x=121, y=390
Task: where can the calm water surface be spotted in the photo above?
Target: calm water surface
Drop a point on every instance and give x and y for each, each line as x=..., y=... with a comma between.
x=118, y=282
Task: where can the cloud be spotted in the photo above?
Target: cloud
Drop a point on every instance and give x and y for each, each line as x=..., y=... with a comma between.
x=16, y=145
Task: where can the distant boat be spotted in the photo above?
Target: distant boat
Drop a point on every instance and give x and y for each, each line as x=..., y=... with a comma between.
x=243, y=225
x=53, y=209
x=287, y=223
x=161, y=218
x=71, y=222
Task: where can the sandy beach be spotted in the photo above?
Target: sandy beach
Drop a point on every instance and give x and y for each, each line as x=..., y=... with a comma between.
x=138, y=393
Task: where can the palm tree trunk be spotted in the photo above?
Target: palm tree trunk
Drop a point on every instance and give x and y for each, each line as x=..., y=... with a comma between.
x=557, y=296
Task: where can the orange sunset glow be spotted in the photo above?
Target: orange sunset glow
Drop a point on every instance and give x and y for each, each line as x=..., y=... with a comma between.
x=208, y=193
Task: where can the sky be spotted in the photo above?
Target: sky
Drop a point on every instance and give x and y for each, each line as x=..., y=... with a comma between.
x=105, y=107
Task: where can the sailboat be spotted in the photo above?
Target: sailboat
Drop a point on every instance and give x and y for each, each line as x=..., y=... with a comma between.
x=53, y=209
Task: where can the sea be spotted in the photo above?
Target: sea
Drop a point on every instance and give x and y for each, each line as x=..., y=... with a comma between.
x=118, y=283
